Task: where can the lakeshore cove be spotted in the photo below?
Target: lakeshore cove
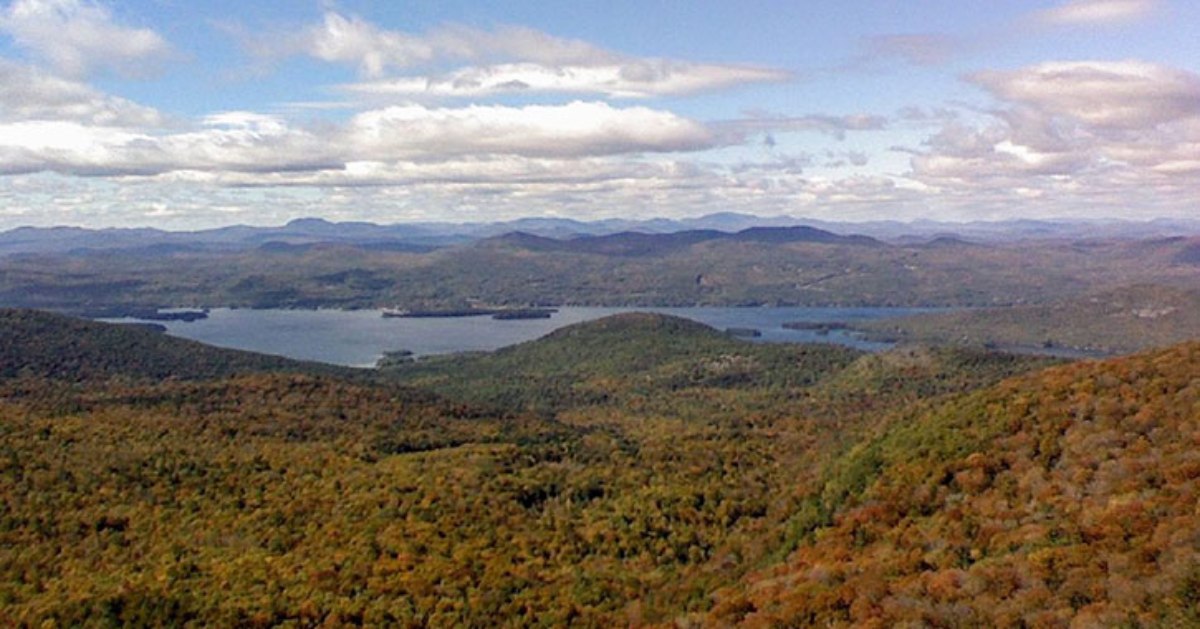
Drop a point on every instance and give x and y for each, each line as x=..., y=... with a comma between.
x=360, y=337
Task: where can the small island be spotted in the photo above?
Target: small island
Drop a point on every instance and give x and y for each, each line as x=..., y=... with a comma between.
x=432, y=314
x=395, y=358
x=524, y=313
x=145, y=314
x=157, y=328
x=820, y=327
x=500, y=314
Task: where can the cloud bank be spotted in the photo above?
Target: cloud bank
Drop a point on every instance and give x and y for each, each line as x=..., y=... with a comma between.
x=511, y=121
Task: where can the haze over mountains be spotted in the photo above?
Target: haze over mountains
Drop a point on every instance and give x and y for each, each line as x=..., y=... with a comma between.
x=419, y=237
x=304, y=267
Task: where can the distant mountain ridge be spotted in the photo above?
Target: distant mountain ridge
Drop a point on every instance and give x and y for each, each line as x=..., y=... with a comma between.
x=424, y=236
x=643, y=244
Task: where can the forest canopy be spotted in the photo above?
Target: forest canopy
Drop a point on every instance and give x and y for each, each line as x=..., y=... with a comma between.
x=640, y=469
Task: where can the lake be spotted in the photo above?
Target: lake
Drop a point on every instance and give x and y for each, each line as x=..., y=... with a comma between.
x=359, y=337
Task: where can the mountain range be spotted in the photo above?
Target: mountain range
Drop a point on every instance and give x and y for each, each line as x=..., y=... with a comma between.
x=424, y=236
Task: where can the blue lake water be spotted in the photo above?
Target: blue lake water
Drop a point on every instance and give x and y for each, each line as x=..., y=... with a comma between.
x=359, y=337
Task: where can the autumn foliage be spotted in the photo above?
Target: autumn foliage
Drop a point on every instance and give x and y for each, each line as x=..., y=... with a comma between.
x=636, y=471
x=1067, y=496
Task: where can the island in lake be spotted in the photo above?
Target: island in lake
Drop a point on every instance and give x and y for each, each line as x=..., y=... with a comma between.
x=499, y=314
x=820, y=327
x=524, y=313
x=145, y=314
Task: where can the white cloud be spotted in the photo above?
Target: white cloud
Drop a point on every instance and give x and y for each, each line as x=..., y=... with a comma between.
x=1089, y=12
x=78, y=37
x=502, y=60
x=1115, y=95
x=30, y=94
x=376, y=51
x=353, y=40
x=576, y=129
x=1086, y=136
x=247, y=142
x=517, y=42
x=1079, y=137
x=634, y=79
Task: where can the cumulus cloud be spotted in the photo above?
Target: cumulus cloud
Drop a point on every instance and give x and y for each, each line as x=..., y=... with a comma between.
x=1060, y=138
x=1071, y=118
x=247, y=142
x=1091, y=12
x=28, y=93
x=78, y=37
x=353, y=40
x=578, y=128
x=1103, y=134
x=375, y=51
x=634, y=79
x=503, y=60
x=33, y=146
x=1113, y=95
x=492, y=171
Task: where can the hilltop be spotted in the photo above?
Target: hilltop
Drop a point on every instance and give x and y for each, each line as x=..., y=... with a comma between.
x=605, y=360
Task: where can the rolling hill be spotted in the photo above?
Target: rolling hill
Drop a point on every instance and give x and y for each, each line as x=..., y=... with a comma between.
x=636, y=470
x=1062, y=497
x=757, y=266
x=605, y=360
x=43, y=345
x=1112, y=321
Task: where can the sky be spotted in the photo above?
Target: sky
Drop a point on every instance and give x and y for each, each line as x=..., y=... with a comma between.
x=184, y=114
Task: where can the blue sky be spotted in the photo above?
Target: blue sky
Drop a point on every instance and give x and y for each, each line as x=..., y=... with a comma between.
x=194, y=114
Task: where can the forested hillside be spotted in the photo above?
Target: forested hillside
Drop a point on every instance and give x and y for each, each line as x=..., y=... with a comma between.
x=1113, y=320
x=613, y=358
x=773, y=266
x=1066, y=497
x=262, y=499
x=42, y=345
